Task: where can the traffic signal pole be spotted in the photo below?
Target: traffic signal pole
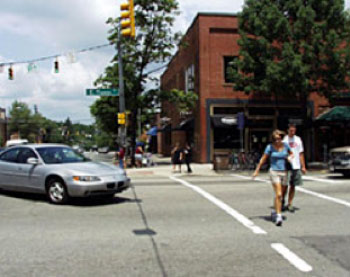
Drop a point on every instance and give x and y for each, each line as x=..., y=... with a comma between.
x=126, y=29
x=122, y=128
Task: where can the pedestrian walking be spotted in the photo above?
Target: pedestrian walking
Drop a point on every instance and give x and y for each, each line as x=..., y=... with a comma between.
x=138, y=156
x=177, y=157
x=297, y=167
x=278, y=153
x=188, y=157
x=121, y=157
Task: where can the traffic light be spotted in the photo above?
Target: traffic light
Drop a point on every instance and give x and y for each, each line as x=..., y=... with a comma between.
x=127, y=19
x=121, y=118
x=57, y=69
x=10, y=73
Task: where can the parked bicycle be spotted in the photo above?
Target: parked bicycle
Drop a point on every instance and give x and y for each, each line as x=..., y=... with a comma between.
x=244, y=161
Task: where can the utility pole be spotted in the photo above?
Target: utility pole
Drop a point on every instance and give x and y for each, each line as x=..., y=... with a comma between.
x=121, y=129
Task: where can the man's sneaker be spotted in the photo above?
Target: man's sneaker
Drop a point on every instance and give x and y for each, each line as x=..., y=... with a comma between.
x=279, y=220
x=290, y=208
x=273, y=215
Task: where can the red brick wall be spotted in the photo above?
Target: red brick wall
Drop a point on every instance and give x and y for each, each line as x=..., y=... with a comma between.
x=209, y=39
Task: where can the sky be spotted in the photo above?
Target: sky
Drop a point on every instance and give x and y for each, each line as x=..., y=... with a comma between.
x=41, y=28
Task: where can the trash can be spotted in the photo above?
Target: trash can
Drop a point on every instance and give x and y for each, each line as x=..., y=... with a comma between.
x=221, y=161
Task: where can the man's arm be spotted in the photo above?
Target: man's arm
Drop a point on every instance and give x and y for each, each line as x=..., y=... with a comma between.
x=302, y=162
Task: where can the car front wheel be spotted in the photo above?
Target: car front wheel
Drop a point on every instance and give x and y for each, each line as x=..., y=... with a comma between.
x=57, y=192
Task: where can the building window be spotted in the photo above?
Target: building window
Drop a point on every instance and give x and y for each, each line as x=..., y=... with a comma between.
x=189, y=78
x=229, y=68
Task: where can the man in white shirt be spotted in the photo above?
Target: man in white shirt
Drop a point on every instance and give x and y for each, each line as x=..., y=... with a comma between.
x=298, y=165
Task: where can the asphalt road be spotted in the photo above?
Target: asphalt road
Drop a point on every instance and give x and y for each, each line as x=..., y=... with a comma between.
x=180, y=226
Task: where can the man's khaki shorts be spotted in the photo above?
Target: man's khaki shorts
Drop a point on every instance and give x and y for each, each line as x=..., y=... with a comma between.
x=278, y=177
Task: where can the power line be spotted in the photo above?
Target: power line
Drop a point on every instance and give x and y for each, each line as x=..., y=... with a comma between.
x=91, y=48
x=156, y=69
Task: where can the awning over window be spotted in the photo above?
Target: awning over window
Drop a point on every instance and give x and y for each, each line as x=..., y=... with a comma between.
x=224, y=121
x=153, y=131
x=336, y=114
x=185, y=125
x=165, y=128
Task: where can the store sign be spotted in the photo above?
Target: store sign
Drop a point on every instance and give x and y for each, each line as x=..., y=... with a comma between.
x=229, y=120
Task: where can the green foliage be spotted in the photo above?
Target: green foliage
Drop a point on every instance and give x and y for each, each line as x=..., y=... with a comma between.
x=153, y=45
x=21, y=120
x=293, y=48
x=34, y=126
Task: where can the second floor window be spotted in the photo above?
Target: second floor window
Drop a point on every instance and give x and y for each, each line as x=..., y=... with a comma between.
x=189, y=78
x=229, y=67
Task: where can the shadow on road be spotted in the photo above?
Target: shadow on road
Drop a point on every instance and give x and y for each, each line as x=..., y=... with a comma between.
x=148, y=232
x=79, y=202
x=338, y=177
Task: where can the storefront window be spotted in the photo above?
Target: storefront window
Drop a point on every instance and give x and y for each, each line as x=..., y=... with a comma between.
x=226, y=138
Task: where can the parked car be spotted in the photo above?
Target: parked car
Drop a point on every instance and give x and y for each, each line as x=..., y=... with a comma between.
x=103, y=149
x=14, y=142
x=59, y=172
x=340, y=160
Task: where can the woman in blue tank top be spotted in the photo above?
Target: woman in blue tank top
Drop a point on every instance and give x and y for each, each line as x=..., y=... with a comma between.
x=279, y=154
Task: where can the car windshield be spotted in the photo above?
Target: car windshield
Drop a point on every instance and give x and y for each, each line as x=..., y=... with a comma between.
x=58, y=155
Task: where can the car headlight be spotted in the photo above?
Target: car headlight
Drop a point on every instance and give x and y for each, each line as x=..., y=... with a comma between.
x=86, y=178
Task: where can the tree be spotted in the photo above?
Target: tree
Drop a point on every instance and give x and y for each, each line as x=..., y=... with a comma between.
x=21, y=120
x=293, y=48
x=153, y=45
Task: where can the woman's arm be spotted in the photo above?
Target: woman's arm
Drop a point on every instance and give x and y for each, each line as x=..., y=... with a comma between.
x=290, y=156
x=260, y=164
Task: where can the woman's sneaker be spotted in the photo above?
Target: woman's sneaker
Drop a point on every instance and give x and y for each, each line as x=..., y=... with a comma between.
x=279, y=220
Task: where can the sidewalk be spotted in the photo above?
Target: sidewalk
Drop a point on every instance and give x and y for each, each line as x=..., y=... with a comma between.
x=163, y=167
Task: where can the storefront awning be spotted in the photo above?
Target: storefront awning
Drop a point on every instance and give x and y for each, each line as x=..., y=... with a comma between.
x=336, y=114
x=165, y=128
x=223, y=121
x=153, y=131
x=185, y=125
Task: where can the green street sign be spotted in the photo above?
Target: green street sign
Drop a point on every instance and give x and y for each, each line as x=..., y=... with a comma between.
x=102, y=92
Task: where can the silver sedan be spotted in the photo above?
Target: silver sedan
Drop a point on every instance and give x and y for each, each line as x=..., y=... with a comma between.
x=59, y=172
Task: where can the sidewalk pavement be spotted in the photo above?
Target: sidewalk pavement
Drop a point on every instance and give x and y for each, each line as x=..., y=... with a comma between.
x=163, y=168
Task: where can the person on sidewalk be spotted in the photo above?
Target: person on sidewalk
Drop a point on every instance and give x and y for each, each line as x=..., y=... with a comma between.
x=177, y=157
x=278, y=152
x=297, y=167
x=138, y=156
x=121, y=157
x=188, y=157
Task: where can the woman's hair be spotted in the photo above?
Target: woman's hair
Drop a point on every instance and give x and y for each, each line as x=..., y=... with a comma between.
x=277, y=133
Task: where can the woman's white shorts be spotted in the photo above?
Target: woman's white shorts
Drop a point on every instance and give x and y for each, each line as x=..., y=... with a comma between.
x=278, y=177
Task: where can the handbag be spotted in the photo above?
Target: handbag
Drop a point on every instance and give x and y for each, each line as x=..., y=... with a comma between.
x=288, y=165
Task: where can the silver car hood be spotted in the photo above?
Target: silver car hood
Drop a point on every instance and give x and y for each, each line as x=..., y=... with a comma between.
x=93, y=168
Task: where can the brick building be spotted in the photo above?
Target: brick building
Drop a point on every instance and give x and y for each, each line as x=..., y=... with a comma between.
x=201, y=66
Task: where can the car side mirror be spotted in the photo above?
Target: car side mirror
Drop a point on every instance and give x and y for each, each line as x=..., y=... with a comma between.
x=33, y=161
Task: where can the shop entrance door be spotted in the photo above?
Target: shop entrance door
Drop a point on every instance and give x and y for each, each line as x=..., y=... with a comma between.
x=258, y=139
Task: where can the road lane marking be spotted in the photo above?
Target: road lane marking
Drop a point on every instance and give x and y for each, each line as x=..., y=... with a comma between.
x=239, y=217
x=250, y=178
x=291, y=257
x=332, y=199
x=319, y=195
